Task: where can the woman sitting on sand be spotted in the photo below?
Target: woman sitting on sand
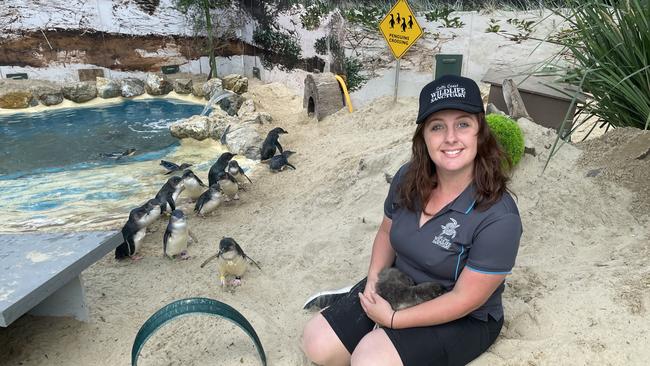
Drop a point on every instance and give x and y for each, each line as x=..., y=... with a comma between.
x=466, y=238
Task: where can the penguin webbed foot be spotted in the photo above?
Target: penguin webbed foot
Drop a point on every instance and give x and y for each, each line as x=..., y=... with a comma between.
x=136, y=258
x=184, y=255
x=234, y=282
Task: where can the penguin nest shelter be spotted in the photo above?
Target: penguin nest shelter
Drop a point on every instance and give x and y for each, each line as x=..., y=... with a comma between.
x=323, y=95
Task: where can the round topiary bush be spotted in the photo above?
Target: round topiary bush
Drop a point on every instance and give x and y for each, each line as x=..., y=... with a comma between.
x=508, y=134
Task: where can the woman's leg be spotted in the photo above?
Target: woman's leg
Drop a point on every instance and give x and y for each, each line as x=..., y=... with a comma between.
x=376, y=349
x=321, y=344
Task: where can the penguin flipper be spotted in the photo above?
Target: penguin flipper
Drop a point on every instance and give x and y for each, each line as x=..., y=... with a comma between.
x=209, y=259
x=166, y=236
x=292, y=167
x=277, y=143
x=255, y=263
x=171, y=203
x=200, y=181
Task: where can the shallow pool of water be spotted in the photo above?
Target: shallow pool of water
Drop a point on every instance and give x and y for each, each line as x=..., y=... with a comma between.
x=92, y=193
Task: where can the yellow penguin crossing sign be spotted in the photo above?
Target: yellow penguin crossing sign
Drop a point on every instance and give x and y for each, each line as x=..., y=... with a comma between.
x=400, y=29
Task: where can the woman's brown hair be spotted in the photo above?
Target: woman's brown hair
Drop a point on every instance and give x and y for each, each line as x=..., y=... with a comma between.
x=490, y=167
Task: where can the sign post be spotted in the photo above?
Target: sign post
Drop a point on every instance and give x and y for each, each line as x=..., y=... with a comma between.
x=400, y=29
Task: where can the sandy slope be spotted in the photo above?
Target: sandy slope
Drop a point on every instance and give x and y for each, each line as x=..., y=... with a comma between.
x=578, y=295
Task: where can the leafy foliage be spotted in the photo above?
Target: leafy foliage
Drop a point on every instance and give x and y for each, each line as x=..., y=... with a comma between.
x=366, y=15
x=313, y=13
x=508, y=134
x=353, y=68
x=320, y=46
x=284, y=46
x=493, y=27
x=442, y=15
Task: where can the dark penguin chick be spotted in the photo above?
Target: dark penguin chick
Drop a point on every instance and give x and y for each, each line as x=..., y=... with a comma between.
x=135, y=228
x=193, y=185
x=237, y=172
x=118, y=155
x=401, y=292
x=271, y=142
x=209, y=200
x=177, y=236
x=228, y=185
x=173, y=167
x=231, y=261
x=219, y=166
x=279, y=162
x=169, y=192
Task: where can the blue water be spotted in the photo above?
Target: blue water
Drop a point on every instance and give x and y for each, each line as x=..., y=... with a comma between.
x=74, y=139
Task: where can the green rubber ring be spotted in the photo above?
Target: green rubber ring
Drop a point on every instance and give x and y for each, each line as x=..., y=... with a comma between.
x=186, y=307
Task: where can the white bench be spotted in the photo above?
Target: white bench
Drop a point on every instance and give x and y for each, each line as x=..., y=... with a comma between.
x=41, y=273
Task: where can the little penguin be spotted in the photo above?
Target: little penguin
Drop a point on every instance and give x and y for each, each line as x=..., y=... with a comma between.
x=401, y=292
x=177, y=235
x=209, y=200
x=135, y=228
x=231, y=261
x=194, y=187
x=228, y=185
x=118, y=155
x=173, y=167
x=169, y=192
x=271, y=142
x=279, y=162
x=237, y=172
x=219, y=166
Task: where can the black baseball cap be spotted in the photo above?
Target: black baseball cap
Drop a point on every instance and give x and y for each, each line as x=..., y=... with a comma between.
x=449, y=92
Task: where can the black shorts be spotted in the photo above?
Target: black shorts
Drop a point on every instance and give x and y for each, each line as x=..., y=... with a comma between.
x=454, y=343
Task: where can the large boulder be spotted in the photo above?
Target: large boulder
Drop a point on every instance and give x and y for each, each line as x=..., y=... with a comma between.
x=47, y=95
x=108, y=88
x=79, y=92
x=14, y=98
x=231, y=103
x=211, y=87
x=236, y=83
x=256, y=118
x=132, y=87
x=244, y=140
x=182, y=86
x=197, y=89
x=196, y=127
x=156, y=84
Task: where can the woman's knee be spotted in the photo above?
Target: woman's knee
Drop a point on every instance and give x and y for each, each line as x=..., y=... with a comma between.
x=321, y=344
x=375, y=349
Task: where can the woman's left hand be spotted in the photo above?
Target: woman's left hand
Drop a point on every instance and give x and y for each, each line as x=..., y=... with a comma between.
x=377, y=308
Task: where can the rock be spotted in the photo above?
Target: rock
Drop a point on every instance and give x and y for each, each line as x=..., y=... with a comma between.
x=247, y=107
x=258, y=118
x=80, y=92
x=183, y=86
x=196, y=127
x=108, y=88
x=231, y=104
x=15, y=98
x=197, y=89
x=212, y=86
x=47, y=95
x=245, y=140
x=492, y=109
x=236, y=83
x=156, y=84
x=132, y=87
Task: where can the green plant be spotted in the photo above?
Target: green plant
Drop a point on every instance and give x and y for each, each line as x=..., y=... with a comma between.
x=508, y=134
x=313, y=13
x=493, y=27
x=353, y=68
x=442, y=15
x=320, y=46
x=366, y=15
x=284, y=46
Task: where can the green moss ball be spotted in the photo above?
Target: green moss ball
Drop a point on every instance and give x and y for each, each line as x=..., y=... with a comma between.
x=508, y=134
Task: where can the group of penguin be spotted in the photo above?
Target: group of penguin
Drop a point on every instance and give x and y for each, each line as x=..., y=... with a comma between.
x=225, y=179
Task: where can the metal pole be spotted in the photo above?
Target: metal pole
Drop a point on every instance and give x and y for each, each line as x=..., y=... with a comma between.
x=396, y=80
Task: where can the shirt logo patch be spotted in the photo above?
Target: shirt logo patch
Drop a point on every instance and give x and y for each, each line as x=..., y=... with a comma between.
x=448, y=232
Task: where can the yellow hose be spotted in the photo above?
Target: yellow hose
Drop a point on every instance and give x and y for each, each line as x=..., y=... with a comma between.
x=345, y=92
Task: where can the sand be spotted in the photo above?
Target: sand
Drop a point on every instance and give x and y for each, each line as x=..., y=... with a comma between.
x=578, y=295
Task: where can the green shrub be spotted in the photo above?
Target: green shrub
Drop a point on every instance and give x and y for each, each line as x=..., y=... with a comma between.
x=508, y=134
x=353, y=70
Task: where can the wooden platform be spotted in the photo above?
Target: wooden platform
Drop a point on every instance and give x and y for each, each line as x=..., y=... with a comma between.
x=41, y=273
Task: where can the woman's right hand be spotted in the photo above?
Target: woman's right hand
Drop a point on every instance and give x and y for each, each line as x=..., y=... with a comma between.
x=371, y=284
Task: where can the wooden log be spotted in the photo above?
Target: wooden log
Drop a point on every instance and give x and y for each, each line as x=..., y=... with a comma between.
x=514, y=102
x=323, y=95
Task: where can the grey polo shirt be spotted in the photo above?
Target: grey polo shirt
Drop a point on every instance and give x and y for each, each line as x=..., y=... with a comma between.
x=457, y=237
